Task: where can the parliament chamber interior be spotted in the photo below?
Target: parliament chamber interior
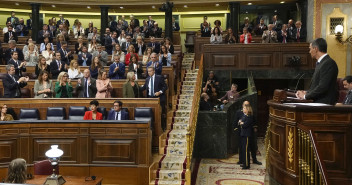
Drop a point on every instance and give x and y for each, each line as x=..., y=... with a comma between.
x=176, y=92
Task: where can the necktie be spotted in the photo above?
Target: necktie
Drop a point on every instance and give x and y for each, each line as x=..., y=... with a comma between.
x=151, y=86
x=85, y=88
x=298, y=34
x=58, y=65
x=269, y=36
x=10, y=35
x=117, y=116
x=127, y=44
x=14, y=79
x=284, y=39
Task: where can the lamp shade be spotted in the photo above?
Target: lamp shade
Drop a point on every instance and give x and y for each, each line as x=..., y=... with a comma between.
x=338, y=29
x=54, y=152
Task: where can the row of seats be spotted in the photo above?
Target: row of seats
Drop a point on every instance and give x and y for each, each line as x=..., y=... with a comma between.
x=77, y=113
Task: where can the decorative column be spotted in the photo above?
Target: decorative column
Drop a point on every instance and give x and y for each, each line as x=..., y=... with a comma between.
x=167, y=8
x=35, y=20
x=234, y=17
x=103, y=20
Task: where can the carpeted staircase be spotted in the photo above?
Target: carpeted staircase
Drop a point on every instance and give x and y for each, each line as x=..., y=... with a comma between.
x=171, y=168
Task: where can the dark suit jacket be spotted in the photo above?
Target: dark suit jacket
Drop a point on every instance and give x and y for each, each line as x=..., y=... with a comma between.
x=206, y=32
x=159, y=85
x=158, y=70
x=139, y=70
x=348, y=98
x=247, y=127
x=155, y=32
x=124, y=115
x=278, y=25
x=29, y=24
x=156, y=47
x=54, y=69
x=137, y=48
x=88, y=58
x=92, y=89
x=41, y=36
x=12, y=89
x=124, y=46
x=323, y=86
x=8, y=52
x=136, y=22
x=65, y=59
x=18, y=71
x=59, y=22
x=108, y=44
x=151, y=23
x=7, y=37
x=120, y=73
x=24, y=30
x=176, y=27
x=15, y=22
x=302, y=35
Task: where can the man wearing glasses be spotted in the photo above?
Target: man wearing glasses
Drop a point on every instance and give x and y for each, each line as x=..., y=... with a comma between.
x=117, y=113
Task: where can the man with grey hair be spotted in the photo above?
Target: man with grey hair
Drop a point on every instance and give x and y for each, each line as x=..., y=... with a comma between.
x=247, y=24
x=299, y=34
x=86, y=86
x=12, y=48
x=94, y=35
x=102, y=55
x=12, y=83
x=270, y=35
x=155, y=63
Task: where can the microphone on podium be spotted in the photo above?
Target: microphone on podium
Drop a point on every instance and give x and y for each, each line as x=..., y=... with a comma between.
x=298, y=81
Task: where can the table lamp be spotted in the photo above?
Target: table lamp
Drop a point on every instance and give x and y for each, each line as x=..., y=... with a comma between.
x=54, y=155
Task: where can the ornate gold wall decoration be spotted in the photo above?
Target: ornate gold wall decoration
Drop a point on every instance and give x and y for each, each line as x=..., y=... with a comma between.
x=290, y=146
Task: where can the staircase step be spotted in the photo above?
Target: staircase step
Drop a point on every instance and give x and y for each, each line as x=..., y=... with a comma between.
x=166, y=182
x=173, y=163
x=180, y=126
x=181, y=120
x=177, y=143
x=170, y=174
x=177, y=134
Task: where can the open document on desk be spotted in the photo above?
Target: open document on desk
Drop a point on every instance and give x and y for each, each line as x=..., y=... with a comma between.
x=308, y=104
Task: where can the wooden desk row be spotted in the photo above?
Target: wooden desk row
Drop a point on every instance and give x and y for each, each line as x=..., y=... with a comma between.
x=120, y=153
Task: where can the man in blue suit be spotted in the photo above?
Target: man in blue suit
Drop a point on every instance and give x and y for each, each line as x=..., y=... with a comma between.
x=117, y=69
x=85, y=58
x=156, y=88
x=117, y=113
x=158, y=67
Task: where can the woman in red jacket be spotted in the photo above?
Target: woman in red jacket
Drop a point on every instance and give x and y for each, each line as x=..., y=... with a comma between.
x=93, y=114
x=246, y=37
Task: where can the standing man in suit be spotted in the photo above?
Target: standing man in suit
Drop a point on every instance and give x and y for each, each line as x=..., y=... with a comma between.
x=347, y=84
x=277, y=23
x=62, y=21
x=12, y=48
x=57, y=66
x=29, y=21
x=117, y=69
x=156, y=31
x=270, y=35
x=21, y=28
x=66, y=55
x=158, y=67
x=117, y=113
x=299, y=34
x=19, y=65
x=323, y=85
x=10, y=35
x=86, y=86
x=175, y=25
x=12, y=83
x=156, y=88
x=102, y=55
x=150, y=21
x=134, y=21
x=85, y=58
x=125, y=45
x=154, y=44
x=110, y=42
x=13, y=19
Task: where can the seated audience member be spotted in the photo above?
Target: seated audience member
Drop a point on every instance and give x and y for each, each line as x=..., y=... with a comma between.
x=217, y=24
x=136, y=67
x=347, y=84
x=44, y=33
x=43, y=87
x=246, y=24
x=92, y=46
x=59, y=39
x=230, y=37
x=131, y=87
x=260, y=28
x=17, y=172
x=146, y=55
x=31, y=56
x=75, y=24
x=117, y=69
x=145, y=29
x=165, y=56
x=169, y=45
x=21, y=28
x=57, y=66
x=85, y=58
x=6, y=28
x=93, y=113
x=246, y=37
x=110, y=43
x=122, y=37
x=299, y=34
x=66, y=54
x=63, y=86
x=205, y=30
x=4, y=115
x=89, y=30
x=95, y=67
x=12, y=48
x=86, y=86
x=118, y=113
x=175, y=25
x=12, y=83
x=211, y=86
x=155, y=31
x=26, y=46
x=52, y=26
x=216, y=37
x=78, y=30
x=79, y=45
x=104, y=86
x=74, y=71
x=42, y=66
x=20, y=66
x=94, y=35
x=204, y=104
x=158, y=67
x=270, y=35
x=231, y=95
x=102, y=55
x=140, y=46
x=10, y=35
x=46, y=42
x=137, y=33
x=155, y=45
x=119, y=52
x=126, y=45
x=282, y=35
x=131, y=51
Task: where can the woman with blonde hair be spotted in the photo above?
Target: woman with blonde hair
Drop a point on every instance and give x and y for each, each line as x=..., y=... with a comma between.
x=43, y=87
x=104, y=86
x=42, y=66
x=63, y=87
x=4, y=115
x=131, y=87
x=17, y=171
x=31, y=56
x=146, y=55
x=118, y=51
x=74, y=71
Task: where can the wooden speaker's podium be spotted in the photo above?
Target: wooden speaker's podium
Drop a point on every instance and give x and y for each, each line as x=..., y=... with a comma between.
x=308, y=143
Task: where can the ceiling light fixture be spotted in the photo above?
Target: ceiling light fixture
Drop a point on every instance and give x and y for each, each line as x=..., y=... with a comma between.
x=88, y=7
x=153, y=7
x=17, y=4
x=249, y=3
x=185, y=6
x=53, y=6
x=121, y=7
x=282, y=2
x=275, y=11
x=217, y=4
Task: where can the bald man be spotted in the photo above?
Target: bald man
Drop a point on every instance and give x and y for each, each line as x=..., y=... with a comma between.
x=86, y=86
x=299, y=34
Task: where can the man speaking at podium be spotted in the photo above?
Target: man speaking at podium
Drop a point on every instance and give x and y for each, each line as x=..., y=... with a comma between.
x=323, y=85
